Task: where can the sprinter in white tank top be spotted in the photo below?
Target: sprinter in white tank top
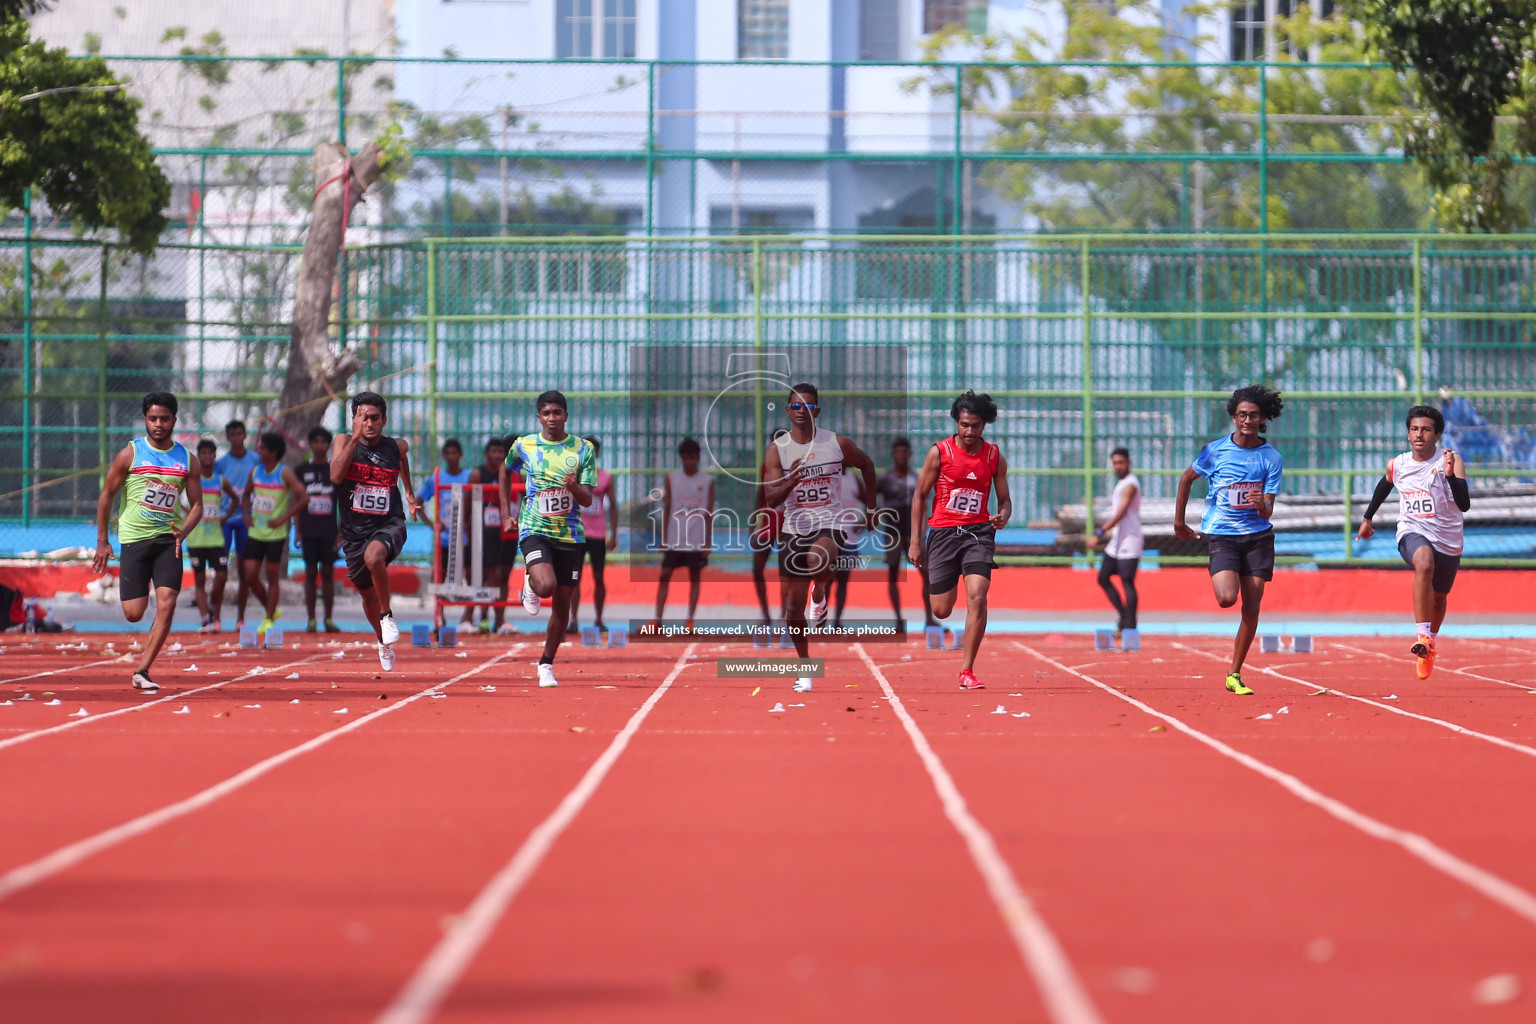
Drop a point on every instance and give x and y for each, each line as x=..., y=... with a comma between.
x=687, y=508
x=1432, y=494
x=802, y=473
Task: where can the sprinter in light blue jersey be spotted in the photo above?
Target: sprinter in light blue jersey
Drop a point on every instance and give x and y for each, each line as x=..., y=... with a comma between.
x=1243, y=471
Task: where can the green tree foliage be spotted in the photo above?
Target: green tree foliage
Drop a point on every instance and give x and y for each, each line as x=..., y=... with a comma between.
x=70, y=130
x=1470, y=69
x=1126, y=99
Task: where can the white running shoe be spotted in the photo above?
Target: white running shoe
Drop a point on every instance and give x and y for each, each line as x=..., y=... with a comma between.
x=505, y=629
x=141, y=681
x=817, y=612
x=803, y=684
x=388, y=631
x=530, y=600
x=387, y=657
x=547, y=675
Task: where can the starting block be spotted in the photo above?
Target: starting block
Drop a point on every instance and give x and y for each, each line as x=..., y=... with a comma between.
x=618, y=636
x=934, y=635
x=1103, y=639
x=421, y=636
x=274, y=637
x=957, y=639
x=1130, y=640
x=590, y=637
x=447, y=636
x=248, y=636
x=1273, y=644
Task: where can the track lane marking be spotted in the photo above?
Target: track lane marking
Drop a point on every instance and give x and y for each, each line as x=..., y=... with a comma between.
x=1460, y=671
x=1512, y=897
x=455, y=951
x=19, y=878
x=36, y=733
x=60, y=671
x=1062, y=992
x=1498, y=741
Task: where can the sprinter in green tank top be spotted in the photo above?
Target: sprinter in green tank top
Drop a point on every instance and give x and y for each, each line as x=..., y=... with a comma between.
x=151, y=472
x=273, y=497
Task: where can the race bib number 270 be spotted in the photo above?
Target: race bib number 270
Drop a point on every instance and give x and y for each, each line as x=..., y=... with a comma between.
x=159, y=496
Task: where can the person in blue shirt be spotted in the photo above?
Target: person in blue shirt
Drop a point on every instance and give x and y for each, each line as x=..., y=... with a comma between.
x=1243, y=471
x=235, y=466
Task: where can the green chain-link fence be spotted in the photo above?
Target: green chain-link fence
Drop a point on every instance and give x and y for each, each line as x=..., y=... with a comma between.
x=1086, y=341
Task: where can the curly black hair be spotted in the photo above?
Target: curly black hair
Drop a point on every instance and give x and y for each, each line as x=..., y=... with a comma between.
x=977, y=405
x=1269, y=402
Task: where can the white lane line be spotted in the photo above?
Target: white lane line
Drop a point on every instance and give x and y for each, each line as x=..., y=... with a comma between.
x=61, y=671
x=24, y=737
x=1460, y=671
x=65, y=857
x=1508, y=895
x=443, y=967
x=1063, y=994
x=1498, y=741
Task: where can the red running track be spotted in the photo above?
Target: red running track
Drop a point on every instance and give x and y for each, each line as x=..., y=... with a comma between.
x=719, y=861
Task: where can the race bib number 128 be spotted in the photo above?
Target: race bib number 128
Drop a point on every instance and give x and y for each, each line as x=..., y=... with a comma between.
x=556, y=501
x=371, y=499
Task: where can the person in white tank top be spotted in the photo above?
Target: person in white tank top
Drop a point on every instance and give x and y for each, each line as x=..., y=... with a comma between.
x=801, y=473
x=1121, y=537
x=688, y=505
x=1431, y=485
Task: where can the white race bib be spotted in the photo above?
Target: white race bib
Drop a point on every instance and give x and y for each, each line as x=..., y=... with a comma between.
x=1237, y=494
x=966, y=502
x=211, y=506
x=263, y=504
x=555, y=501
x=813, y=493
x=320, y=504
x=160, y=496
x=1419, y=504
x=371, y=499
x=493, y=515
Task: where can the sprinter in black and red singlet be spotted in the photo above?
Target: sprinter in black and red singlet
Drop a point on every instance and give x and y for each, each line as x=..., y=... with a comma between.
x=962, y=471
x=371, y=472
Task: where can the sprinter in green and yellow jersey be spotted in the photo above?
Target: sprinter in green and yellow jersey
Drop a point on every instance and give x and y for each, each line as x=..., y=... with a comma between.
x=151, y=472
x=273, y=497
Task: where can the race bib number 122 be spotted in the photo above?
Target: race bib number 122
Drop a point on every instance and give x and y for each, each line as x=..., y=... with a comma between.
x=966, y=502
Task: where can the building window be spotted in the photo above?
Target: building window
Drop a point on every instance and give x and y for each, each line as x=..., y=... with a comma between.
x=595, y=29
x=879, y=30
x=970, y=15
x=1249, y=26
x=762, y=29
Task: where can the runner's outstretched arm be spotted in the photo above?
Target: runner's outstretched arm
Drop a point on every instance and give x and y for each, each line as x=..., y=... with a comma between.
x=1004, y=496
x=1181, y=501
x=925, y=481
x=341, y=456
x=117, y=473
x=411, y=501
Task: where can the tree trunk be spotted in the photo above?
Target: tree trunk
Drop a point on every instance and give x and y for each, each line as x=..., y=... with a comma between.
x=317, y=373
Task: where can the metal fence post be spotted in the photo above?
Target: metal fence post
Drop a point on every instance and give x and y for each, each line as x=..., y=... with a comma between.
x=101, y=366
x=1264, y=147
x=341, y=101
x=28, y=386
x=1418, y=322
x=650, y=152
x=1349, y=516
x=758, y=427
x=432, y=430
x=1086, y=279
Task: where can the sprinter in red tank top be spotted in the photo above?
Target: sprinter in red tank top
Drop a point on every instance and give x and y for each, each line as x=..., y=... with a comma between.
x=962, y=471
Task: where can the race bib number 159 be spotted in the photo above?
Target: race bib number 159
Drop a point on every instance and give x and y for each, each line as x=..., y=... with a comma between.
x=371, y=499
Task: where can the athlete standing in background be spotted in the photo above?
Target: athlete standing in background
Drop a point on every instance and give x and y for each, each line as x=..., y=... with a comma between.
x=896, y=487
x=1432, y=495
x=273, y=497
x=687, y=516
x=487, y=474
x=1244, y=472
x=317, y=528
x=962, y=471
x=151, y=472
x=1122, y=541
x=371, y=471
x=205, y=544
x=602, y=530
x=235, y=466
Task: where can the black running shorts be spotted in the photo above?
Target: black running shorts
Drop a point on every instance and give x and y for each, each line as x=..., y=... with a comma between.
x=145, y=561
x=1248, y=554
x=269, y=551
x=565, y=558
x=318, y=551
x=955, y=551
x=214, y=558
x=391, y=534
x=1446, y=565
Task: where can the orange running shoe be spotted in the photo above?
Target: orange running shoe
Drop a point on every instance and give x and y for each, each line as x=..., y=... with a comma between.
x=968, y=680
x=1423, y=650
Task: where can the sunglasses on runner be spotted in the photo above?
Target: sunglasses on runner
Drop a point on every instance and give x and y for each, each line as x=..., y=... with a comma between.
x=797, y=406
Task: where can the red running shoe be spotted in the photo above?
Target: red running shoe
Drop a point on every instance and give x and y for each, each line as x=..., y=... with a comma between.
x=968, y=680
